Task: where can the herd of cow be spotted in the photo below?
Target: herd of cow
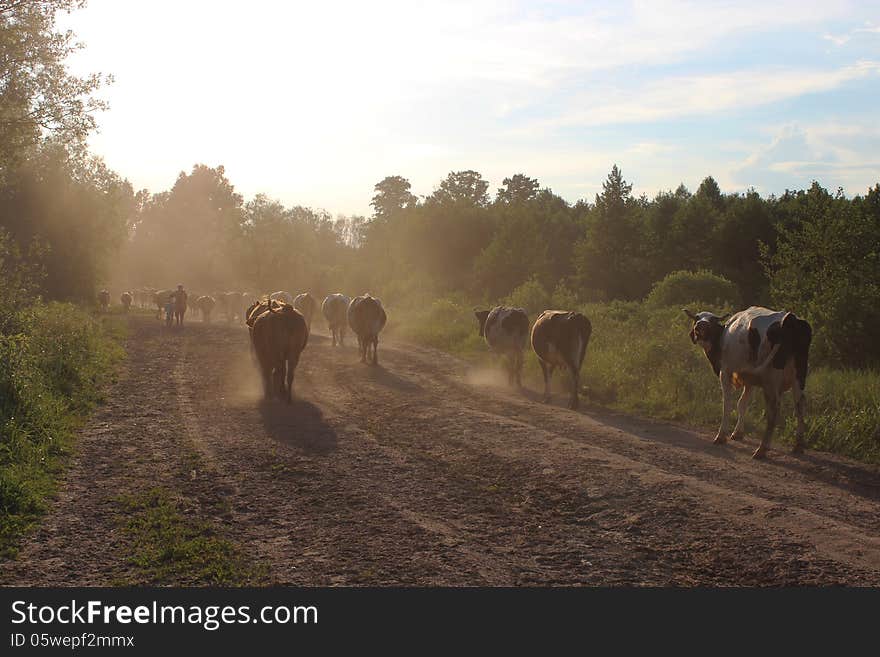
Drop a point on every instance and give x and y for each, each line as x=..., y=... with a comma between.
x=754, y=348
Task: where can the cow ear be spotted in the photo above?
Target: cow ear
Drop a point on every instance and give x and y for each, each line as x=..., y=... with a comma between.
x=689, y=314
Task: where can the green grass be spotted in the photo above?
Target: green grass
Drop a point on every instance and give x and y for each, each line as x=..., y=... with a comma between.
x=53, y=366
x=641, y=361
x=171, y=547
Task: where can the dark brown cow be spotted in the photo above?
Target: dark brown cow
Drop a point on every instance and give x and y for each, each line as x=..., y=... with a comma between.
x=367, y=318
x=279, y=335
x=560, y=338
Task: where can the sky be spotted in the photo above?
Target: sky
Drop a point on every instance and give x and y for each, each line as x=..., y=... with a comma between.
x=313, y=103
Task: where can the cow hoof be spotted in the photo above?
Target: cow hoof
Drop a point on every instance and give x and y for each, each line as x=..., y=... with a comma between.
x=719, y=439
x=759, y=453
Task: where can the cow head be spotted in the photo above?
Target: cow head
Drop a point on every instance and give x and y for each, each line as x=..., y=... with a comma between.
x=481, y=316
x=707, y=326
x=706, y=331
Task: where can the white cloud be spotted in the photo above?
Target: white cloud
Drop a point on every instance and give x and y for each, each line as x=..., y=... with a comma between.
x=675, y=97
x=797, y=155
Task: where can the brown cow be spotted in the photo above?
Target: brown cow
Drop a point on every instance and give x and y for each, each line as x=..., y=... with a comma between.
x=279, y=335
x=367, y=318
x=560, y=338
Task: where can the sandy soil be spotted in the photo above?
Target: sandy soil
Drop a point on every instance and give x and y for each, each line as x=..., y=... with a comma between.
x=421, y=471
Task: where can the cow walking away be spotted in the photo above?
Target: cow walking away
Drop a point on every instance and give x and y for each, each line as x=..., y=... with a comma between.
x=757, y=348
x=125, y=298
x=506, y=331
x=206, y=305
x=305, y=303
x=560, y=338
x=281, y=295
x=104, y=300
x=367, y=318
x=279, y=334
x=335, y=311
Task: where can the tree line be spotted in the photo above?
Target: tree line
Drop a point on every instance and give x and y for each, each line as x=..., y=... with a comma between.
x=73, y=225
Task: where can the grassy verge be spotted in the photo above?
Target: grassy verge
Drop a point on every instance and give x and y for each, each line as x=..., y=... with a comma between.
x=170, y=547
x=641, y=361
x=55, y=359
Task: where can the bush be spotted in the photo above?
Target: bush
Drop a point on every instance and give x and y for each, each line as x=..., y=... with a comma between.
x=51, y=373
x=681, y=288
x=563, y=298
x=530, y=296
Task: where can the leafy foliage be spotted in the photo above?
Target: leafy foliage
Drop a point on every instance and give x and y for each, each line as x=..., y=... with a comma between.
x=685, y=287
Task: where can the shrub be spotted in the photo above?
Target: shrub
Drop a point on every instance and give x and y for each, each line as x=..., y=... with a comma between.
x=51, y=373
x=681, y=288
x=530, y=296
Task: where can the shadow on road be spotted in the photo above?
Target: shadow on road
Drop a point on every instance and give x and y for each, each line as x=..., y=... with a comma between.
x=387, y=378
x=299, y=424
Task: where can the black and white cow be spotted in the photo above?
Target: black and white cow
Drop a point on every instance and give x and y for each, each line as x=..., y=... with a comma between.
x=506, y=331
x=761, y=348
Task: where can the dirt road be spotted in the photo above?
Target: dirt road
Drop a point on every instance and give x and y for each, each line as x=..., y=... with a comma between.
x=421, y=472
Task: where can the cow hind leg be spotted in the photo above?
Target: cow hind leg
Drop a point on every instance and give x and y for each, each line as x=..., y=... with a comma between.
x=726, y=408
x=547, y=371
x=741, y=407
x=575, y=384
x=799, y=403
x=375, y=351
x=291, y=369
x=771, y=397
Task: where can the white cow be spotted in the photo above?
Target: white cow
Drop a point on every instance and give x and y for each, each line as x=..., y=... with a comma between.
x=758, y=347
x=281, y=295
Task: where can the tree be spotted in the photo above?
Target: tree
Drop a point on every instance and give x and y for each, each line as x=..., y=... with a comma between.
x=466, y=187
x=827, y=269
x=518, y=189
x=392, y=195
x=711, y=192
x=610, y=258
x=190, y=231
x=38, y=96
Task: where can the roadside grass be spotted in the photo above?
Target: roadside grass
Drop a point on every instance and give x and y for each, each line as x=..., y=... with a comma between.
x=640, y=361
x=55, y=360
x=171, y=547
